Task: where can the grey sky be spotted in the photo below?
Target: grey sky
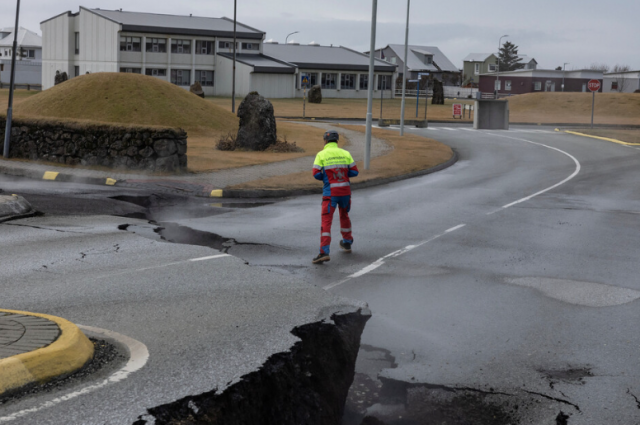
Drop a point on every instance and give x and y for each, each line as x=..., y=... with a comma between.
x=553, y=31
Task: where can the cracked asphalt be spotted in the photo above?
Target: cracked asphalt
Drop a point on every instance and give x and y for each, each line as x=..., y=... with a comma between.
x=523, y=315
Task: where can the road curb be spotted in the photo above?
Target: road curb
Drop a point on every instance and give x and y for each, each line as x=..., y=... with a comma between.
x=56, y=176
x=67, y=354
x=620, y=142
x=283, y=193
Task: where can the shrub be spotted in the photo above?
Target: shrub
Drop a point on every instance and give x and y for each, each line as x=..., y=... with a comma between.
x=227, y=143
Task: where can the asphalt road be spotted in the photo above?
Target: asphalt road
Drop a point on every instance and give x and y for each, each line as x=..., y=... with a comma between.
x=537, y=301
x=534, y=305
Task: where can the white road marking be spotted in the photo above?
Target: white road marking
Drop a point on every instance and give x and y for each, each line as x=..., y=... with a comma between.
x=380, y=261
x=448, y=128
x=467, y=129
x=138, y=356
x=163, y=265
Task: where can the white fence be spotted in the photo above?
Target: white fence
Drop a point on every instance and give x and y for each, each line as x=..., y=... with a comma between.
x=450, y=92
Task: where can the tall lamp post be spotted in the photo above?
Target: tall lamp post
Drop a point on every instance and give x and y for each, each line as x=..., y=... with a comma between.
x=287, y=39
x=497, y=90
x=372, y=53
x=564, y=67
x=233, y=78
x=7, y=129
x=404, y=70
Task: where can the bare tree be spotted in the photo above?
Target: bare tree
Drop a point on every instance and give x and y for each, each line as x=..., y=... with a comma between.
x=621, y=78
x=598, y=66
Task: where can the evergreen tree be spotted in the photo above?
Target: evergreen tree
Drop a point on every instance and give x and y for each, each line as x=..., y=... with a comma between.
x=509, y=60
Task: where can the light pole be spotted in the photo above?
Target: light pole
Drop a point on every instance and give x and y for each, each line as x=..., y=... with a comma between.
x=564, y=67
x=287, y=39
x=404, y=72
x=497, y=90
x=372, y=53
x=7, y=129
x=233, y=88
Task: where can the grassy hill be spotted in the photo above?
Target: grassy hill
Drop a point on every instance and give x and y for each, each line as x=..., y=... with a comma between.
x=558, y=107
x=128, y=99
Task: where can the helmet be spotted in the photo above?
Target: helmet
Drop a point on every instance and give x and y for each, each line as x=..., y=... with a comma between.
x=331, y=136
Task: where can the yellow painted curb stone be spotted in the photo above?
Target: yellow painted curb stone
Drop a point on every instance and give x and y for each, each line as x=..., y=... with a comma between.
x=217, y=193
x=620, y=142
x=50, y=175
x=69, y=353
x=110, y=182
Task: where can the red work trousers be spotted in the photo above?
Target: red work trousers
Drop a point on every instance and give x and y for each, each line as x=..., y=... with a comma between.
x=329, y=204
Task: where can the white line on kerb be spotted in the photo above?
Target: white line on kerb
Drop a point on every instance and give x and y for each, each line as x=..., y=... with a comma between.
x=138, y=356
x=380, y=262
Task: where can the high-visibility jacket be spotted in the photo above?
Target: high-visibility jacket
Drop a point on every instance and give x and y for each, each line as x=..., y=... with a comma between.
x=334, y=166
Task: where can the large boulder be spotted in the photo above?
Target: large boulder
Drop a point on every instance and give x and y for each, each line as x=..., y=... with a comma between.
x=438, y=93
x=257, y=123
x=315, y=94
x=196, y=89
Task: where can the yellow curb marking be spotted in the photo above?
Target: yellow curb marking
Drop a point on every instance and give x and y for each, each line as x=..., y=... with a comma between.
x=70, y=352
x=110, y=182
x=620, y=142
x=50, y=175
x=217, y=205
x=216, y=193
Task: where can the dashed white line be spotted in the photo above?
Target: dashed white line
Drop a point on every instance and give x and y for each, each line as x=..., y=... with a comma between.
x=138, y=356
x=453, y=229
x=159, y=266
x=211, y=257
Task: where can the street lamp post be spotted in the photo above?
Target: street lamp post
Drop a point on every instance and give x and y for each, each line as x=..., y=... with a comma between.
x=233, y=88
x=404, y=70
x=372, y=53
x=7, y=129
x=497, y=90
x=286, y=40
x=564, y=67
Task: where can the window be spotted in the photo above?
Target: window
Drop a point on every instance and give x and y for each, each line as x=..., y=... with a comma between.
x=181, y=77
x=131, y=70
x=77, y=42
x=250, y=46
x=313, y=78
x=384, y=82
x=507, y=85
x=364, y=81
x=30, y=54
x=537, y=85
x=156, y=45
x=493, y=67
x=477, y=68
x=204, y=47
x=348, y=81
x=180, y=46
x=497, y=85
x=205, y=78
x=156, y=72
x=226, y=45
x=428, y=60
x=614, y=85
x=394, y=60
x=329, y=81
x=76, y=71
x=130, y=44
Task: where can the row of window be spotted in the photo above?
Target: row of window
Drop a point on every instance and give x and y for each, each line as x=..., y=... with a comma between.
x=26, y=53
x=347, y=81
x=159, y=45
x=180, y=77
x=492, y=68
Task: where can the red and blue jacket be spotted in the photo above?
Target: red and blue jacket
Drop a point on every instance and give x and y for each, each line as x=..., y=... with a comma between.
x=334, y=166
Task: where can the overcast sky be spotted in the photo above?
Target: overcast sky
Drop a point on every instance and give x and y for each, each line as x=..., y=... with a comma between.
x=552, y=31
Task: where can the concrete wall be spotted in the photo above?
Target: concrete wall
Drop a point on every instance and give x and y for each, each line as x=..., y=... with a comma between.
x=491, y=115
x=224, y=76
x=626, y=83
x=273, y=86
x=27, y=72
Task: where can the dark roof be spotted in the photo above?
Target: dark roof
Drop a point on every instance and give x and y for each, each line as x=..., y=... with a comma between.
x=262, y=64
x=324, y=57
x=179, y=25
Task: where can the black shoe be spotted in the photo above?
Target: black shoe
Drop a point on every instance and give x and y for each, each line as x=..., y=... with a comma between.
x=321, y=258
x=346, y=247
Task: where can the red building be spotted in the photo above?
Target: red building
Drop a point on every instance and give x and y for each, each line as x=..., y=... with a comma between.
x=537, y=80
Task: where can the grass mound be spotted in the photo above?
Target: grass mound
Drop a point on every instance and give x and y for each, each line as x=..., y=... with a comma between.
x=558, y=107
x=123, y=98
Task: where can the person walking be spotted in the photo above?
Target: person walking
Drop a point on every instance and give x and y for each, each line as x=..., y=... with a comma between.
x=334, y=167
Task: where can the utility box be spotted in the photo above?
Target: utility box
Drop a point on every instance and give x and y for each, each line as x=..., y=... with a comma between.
x=491, y=115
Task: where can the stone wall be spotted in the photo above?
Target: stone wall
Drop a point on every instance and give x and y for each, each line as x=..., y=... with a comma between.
x=132, y=148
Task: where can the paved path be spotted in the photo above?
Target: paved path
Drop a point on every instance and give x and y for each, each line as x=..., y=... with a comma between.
x=21, y=333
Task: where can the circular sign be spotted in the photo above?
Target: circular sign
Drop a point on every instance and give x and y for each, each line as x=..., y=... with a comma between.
x=593, y=85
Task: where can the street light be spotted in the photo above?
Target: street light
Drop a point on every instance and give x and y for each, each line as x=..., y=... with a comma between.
x=287, y=39
x=497, y=90
x=372, y=53
x=564, y=67
x=7, y=129
x=233, y=78
x=404, y=70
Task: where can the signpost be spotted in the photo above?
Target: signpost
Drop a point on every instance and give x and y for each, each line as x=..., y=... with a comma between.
x=305, y=84
x=594, y=86
x=420, y=74
x=457, y=110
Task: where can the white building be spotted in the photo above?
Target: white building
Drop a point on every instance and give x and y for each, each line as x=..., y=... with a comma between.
x=621, y=82
x=179, y=49
x=29, y=56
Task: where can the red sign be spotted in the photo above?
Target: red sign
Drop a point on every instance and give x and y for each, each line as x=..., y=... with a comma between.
x=593, y=85
x=457, y=109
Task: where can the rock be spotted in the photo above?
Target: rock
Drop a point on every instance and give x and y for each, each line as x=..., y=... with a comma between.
x=165, y=147
x=438, y=93
x=146, y=152
x=168, y=163
x=196, y=89
x=315, y=94
x=257, y=123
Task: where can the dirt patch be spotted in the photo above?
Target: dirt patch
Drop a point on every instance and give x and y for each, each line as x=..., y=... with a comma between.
x=628, y=136
x=410, y=153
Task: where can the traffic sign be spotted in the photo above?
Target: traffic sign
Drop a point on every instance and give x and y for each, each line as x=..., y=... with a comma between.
x=305, y=81
x=593, y=85
x=457, y=110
